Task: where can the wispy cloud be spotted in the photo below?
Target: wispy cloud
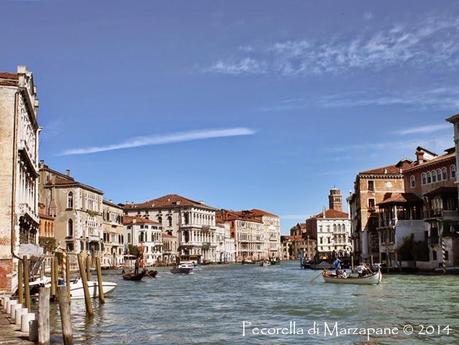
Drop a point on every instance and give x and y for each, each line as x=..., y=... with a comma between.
x=239, y=66
x=164, y=139
x=424, y=129
x=429, y=42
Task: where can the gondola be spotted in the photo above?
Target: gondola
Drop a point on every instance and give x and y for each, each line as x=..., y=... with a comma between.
x=371, y=279
x=152, y=273
x=133, y=276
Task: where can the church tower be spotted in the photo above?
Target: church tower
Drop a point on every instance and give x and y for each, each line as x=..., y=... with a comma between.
x=335, y=199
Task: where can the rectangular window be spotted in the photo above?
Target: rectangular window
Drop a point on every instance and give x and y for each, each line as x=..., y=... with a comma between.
x=371, y=186
x=434, y=255
x=371, y=204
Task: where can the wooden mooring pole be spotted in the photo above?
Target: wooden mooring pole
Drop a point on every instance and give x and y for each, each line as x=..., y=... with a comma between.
x=20, y=282
x=88, y=267
x=84, y=280
x=352, y=263
x=43, y=316
x=66, y=319
x=53, y=279
x=99, y=281
x=67, y=274
x=26, y=283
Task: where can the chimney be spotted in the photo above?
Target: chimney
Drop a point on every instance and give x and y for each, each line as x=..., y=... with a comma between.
x=67, y=172
x=420, y=156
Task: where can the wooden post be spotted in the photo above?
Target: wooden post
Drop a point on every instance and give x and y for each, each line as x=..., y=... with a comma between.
x=53, y=280
x=64, y=308
x=352, y=263
x=84, y=280
x=99, y=281
x=56, y=270
x=43, y=317
x=88, y=267
x=20, y=282
x=26, y=282
x=371, y=260
x=67, y=275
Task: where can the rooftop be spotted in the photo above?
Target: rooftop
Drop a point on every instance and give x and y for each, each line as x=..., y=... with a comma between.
x=167, y=201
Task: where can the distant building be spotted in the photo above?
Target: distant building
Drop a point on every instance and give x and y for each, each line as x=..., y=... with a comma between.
x=301, y=242
x=146, y=235
x=192, y=222
x=113, y=235
x=331, y=228
x=78, y=212
x=225, y=251
x=19, y=140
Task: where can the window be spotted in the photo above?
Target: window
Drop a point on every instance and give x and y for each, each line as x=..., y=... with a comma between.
x=434, y=176
x=371, y=203
x=444, y=173
x=429, y=177
x=438, y=175
x=321, y=240
x=169, y=221
x=424, y=178
x=412, y=181
x=371, y=186
x=434, y=255
x=453, y=172
x=70, y=200
x=446, y=255
x=70, y=228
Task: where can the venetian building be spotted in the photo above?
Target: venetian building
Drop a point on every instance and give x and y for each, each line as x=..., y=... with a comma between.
x=192, y=222
x=78, y=212
x=19, y=139
x=113, y=235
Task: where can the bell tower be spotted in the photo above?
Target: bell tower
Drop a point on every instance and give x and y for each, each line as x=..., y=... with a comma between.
x=335, y=199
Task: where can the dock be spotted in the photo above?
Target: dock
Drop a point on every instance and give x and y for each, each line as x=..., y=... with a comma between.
x=10, y=334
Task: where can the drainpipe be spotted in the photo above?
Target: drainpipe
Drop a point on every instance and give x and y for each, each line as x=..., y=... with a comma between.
x=13, y=185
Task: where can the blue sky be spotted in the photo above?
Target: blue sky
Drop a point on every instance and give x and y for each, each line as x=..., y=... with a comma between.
x=260, y=104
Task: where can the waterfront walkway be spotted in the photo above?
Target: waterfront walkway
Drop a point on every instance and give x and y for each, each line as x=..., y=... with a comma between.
x=9, y=333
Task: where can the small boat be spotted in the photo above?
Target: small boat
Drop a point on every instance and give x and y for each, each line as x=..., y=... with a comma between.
x=371, y=279
x=247, y=262
x=77, y=290
x=182, y=268
x=152, y=273
x=133, y=276
x=265, y=264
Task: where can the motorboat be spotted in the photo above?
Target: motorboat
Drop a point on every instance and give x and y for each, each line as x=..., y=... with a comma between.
x=184, y=268
x=77, y=290
x=265, y=264
x=373, y=278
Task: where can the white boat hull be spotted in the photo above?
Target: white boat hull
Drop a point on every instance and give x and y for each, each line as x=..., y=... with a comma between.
x=370, y=280
x=77, y=291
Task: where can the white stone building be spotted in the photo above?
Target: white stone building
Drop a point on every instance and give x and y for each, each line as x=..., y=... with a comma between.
x=19, y=138
x=113, y=235
x=225, y=251
x=146, y=235
x=192, y=222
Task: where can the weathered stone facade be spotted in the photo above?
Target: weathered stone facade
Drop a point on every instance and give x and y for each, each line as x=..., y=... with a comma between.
x=113, y=235
x=19, y=139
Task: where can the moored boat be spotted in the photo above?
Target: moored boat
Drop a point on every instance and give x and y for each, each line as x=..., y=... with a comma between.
x=77, y=291
x=371, y=279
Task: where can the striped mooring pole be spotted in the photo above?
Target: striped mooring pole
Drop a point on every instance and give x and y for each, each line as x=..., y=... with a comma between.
x=443, y=254
x=64, y=263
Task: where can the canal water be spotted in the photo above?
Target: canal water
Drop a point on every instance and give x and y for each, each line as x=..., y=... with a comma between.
x=218, y=304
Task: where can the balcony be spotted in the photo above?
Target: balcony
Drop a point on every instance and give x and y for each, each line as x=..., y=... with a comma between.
x=452, y=215
x=26, y=211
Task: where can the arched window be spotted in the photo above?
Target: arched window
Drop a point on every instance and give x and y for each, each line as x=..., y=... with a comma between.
x=169, y=221
x=412, y=181
x=424, y=178
x=434, y=176
x=438, y=175
x=160, y=220
x=453, y=172
x=429, y=177
x=444, y=173
x=70, y=228
x=70, y=200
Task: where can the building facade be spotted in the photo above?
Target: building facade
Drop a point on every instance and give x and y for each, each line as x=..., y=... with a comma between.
x=146, y=235
x=19, y=141
x=332, y=229
x=113, y=235
x=192, y=222
x=78, y=212
x=301, y=243
x=371, y=188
